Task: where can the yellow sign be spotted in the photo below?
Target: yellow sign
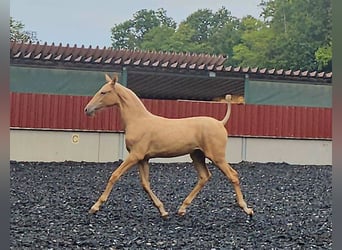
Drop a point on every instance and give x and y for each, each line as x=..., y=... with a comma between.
x=75, y=138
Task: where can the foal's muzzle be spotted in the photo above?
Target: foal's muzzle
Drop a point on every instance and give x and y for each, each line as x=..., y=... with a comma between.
x=89, y=111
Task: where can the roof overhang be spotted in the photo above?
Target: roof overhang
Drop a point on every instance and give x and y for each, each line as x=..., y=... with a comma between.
x=160, y=75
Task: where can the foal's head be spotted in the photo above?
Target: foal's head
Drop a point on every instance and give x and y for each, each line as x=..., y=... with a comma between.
x=105, y=97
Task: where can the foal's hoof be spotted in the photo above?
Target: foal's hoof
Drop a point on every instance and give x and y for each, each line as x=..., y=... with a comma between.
x=250, y=212
x=93, y=210
x=165, y=215
x=181, y=212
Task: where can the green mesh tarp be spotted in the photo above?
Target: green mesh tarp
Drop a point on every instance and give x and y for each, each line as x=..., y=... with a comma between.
x=289, y=94
x=87, y=82
x=55, y=81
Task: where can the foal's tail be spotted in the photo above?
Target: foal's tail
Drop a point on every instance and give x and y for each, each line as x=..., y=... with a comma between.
x=228, y=99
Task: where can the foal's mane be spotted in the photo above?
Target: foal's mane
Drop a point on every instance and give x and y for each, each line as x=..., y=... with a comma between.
x=128, y=97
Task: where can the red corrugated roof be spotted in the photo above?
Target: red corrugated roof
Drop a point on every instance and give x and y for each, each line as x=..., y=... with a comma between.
x=97, y=57
x=108, y=56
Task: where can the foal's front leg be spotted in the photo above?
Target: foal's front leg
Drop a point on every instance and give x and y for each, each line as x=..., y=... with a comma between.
x=125, y=165
x=144, y=171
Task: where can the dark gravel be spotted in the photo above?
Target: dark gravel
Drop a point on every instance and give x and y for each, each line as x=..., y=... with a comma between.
x=50, y=203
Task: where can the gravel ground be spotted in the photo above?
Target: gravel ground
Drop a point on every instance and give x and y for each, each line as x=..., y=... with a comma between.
x=50, y=203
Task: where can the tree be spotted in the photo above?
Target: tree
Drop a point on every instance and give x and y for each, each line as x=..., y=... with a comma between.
x=253, y=50
x=130, y=34
x=158, y=38
x=300, y=28
x=216, y=31
x=173, y=40
x=18, y=34
x=291, y=34
x=324, y=57
x=224, y=39
x=182, y=41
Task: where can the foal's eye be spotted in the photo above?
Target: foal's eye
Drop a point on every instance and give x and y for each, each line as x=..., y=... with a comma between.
x=103, y=93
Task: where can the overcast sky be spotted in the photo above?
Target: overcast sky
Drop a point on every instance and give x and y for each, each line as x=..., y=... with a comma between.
x=89, y=22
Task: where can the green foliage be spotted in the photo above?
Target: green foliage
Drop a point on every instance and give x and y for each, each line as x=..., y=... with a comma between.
x=204, y=23
x=18, y=34
x=324, y=57
x=130, y=34
x=183, y=40
x=300, y=28
x=158, y=38
x=224, y=39
x=254, y=47
x=291, y=34
x=217, y=32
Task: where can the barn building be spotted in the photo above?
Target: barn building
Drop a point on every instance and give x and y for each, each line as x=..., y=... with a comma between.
x=286, y=115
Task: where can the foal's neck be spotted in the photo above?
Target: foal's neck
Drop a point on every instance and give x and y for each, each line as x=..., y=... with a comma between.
x=131, y=107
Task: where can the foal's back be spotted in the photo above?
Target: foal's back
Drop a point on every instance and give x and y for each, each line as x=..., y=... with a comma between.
x=163, y=137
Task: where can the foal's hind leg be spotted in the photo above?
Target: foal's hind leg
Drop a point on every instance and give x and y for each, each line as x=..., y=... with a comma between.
x=144, y=171
x=234, y=178
x=203, y=176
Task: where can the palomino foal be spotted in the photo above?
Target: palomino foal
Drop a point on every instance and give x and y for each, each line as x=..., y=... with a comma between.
x=148, y=136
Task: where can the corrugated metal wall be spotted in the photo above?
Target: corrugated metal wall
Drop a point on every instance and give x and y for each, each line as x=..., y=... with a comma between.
x=58, y=112
x=66, y=112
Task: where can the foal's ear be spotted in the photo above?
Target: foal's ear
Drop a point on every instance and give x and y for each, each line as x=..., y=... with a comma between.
x=108, y=79
x=115, y=78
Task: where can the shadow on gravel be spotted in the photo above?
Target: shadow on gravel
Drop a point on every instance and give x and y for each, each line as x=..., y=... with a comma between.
x=50, y=202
